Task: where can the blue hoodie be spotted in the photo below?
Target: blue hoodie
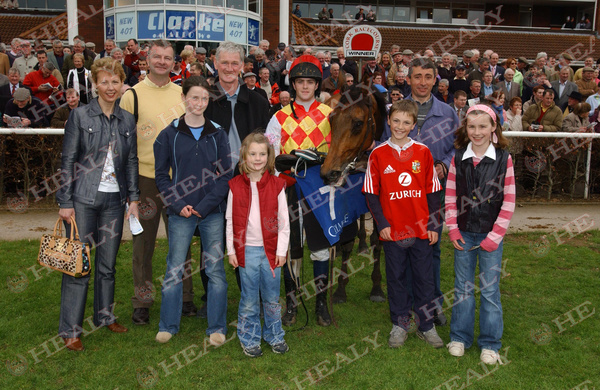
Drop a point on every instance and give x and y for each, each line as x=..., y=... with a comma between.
x=193, y=172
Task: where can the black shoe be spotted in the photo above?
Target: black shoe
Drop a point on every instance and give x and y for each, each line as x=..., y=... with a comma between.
x=189, y=309
x=291, y=310
x=289, y=318
x=439, y=318
x=141, y=316
x=323, y=317
x=202, y=313
x=280, y=348
x=252, y=351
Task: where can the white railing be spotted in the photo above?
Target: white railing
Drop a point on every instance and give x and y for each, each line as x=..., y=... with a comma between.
x=508, y=134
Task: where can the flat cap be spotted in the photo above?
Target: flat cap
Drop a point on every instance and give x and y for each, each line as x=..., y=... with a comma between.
x=21, y=94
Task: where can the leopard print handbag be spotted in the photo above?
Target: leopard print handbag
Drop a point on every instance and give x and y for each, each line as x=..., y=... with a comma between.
x=65, y=254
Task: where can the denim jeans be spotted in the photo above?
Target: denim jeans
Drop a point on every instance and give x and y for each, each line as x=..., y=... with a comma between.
x=181, y=231
x=463, y=311
x=101, y=226
x=257, y=277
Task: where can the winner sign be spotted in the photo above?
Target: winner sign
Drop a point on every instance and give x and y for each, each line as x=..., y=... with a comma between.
x=362, y=42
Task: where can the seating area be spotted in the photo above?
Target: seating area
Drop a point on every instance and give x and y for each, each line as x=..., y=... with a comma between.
x=507, y=43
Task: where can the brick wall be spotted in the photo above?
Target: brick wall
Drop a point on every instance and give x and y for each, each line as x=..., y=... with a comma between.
x=271, y=21
x=92, y=27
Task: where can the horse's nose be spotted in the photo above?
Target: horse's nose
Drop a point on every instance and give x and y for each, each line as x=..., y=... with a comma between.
x=332, y=177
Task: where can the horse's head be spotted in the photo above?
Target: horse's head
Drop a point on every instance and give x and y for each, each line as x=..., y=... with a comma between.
x=355, y=122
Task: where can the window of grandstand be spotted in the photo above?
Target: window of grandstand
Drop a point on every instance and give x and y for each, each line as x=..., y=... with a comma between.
x=425, y=12
x=214, y=3
x=303, y=9
x=253, y=6
x=525, y=15
x=236, y=4
x=314, y=9
x=43, y=4
x=441, y=15
x=338, y=10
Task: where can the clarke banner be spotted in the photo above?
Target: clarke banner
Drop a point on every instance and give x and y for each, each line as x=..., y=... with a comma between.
x=182, y=25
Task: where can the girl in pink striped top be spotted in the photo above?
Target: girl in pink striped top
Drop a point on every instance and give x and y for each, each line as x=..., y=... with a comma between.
x=480, y=201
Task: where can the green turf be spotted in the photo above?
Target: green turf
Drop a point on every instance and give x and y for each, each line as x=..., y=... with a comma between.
x=537, y=289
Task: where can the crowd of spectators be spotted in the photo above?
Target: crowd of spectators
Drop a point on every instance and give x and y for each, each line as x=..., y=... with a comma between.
x=515, y=87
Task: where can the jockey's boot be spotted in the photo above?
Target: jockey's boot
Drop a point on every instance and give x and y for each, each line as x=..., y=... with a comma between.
x=323, y=317
x=321, y=274
x=291, y=304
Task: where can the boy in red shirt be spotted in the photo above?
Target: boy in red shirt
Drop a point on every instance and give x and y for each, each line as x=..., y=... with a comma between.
x=400, y=185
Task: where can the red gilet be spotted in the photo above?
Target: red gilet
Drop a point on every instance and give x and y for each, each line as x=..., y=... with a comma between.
x=269, y=188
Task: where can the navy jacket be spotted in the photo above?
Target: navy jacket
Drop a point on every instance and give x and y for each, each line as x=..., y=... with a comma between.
x=251, y=112
x=200, y=170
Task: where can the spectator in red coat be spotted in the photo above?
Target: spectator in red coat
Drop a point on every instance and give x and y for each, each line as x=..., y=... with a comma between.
x=42, y=83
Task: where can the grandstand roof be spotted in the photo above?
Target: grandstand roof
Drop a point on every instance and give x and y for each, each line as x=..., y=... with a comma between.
x=25, y=25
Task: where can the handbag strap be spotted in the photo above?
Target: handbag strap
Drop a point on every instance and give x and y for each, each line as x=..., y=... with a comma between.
x=74, y=227
x=58, y=227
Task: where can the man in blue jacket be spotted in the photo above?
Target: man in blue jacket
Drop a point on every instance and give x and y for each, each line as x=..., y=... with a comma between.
x=436, y=125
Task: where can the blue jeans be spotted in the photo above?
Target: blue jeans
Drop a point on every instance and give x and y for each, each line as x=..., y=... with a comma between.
x=259, y=281
x=463, y=311
x=101, y=226
x=181, y=231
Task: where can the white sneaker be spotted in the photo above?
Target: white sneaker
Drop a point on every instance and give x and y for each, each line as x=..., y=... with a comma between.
x=217, y=339
x=490, y=357
x=456, y=348
x=163, y=337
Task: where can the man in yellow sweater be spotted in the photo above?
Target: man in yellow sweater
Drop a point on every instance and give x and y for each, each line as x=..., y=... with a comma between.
x=158, y=104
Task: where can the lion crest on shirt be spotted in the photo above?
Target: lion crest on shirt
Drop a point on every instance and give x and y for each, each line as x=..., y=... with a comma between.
x=416, y=166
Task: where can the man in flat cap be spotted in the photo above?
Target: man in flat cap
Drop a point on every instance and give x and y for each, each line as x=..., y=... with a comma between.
x=564, y=60
x=587, y=85
x=201, y=60
x=466, y=61
x=30, y=109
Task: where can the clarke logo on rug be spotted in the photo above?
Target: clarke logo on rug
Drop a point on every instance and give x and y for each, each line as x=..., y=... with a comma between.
x=362, y=42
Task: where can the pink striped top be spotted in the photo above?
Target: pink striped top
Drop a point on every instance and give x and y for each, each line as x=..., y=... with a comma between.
x=493, y=239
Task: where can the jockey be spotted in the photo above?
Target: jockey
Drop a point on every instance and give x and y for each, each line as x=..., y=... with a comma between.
x=304, y=124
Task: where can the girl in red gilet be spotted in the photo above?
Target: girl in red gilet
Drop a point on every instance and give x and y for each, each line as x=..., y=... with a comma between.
x=258, y=231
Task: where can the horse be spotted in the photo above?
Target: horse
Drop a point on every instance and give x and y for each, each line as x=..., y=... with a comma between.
x=357, y=120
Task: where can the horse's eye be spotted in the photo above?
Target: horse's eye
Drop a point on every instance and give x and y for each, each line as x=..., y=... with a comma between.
x=357, y=126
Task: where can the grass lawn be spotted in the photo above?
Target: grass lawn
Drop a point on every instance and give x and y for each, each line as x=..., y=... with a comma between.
x=550, y=296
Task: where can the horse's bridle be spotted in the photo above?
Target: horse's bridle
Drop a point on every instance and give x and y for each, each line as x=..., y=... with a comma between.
x=372, y=128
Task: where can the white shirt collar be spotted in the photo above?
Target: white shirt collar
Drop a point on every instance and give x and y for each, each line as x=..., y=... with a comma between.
x=400, y=149
x=490, y=152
